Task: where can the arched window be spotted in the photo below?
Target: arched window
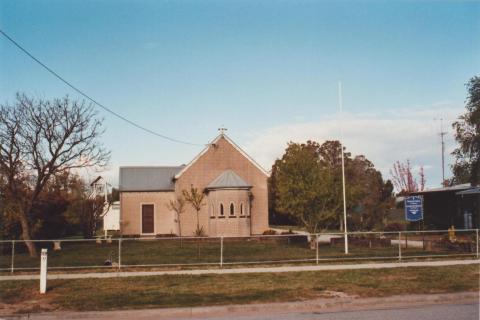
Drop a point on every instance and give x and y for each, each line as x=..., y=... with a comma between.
x=241, y=208
x=232, y=209
x=221, y=210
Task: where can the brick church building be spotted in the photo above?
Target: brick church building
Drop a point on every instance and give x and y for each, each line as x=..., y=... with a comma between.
x=235, y=188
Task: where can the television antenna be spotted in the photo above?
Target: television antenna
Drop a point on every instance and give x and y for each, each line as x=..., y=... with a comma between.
x=442, y=140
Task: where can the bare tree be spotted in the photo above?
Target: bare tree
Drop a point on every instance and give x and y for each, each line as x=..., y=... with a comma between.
x=39, y=139
x=178, y=206
x=403, y=179
x=93, y=210
x=195, y=199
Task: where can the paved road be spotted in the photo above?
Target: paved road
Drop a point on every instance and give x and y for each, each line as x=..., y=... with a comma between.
x=433, y=312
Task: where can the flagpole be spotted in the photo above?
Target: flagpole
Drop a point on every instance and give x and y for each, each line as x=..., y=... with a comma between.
x=343, y=167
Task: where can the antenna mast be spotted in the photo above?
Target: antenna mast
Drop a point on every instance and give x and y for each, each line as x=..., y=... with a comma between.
x=442, y=135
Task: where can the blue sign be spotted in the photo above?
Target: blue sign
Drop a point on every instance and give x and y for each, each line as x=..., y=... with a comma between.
x=414, y=208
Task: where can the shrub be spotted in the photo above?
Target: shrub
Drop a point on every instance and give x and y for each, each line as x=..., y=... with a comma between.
x=395, y=226
x=269, y=232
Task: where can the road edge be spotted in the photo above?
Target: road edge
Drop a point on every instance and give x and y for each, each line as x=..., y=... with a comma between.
x=321, y=305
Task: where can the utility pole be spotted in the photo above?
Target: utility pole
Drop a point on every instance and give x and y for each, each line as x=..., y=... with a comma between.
x=442, y=135
x=343, y=167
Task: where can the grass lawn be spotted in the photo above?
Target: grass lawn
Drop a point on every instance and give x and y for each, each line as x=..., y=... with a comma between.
x=206, y=290
x=174, y=252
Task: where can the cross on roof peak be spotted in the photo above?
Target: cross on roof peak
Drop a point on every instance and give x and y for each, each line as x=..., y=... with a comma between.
x=222, y=129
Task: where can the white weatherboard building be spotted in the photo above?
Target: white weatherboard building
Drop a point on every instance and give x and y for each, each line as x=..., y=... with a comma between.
x=111, y=218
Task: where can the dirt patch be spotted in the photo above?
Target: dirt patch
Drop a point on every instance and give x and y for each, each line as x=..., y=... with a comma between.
x=28, y=302
x=337, y=294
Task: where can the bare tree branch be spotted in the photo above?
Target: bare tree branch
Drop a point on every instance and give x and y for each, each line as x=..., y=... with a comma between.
x=42, y=138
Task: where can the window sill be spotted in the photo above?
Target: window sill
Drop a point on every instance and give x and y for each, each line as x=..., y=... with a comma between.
x=221, y=217
x=232, y=216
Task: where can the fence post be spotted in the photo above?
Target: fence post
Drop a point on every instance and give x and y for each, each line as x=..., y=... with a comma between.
x=400, y=246
x=316, y=248
x=221, y=252
x=423, y=240
x=119, y=253
x=43, y=271
x=477, y=245
x=13, y=254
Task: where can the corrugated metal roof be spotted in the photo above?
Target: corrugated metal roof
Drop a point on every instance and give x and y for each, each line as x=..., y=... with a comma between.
x=148, y=178
x=458, y=187
x=228, y=179
x=475, y=190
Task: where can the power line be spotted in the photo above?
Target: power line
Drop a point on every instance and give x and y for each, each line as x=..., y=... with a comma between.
x=93, y=100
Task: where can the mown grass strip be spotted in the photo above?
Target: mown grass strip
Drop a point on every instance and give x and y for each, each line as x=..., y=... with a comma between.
x=207, y=290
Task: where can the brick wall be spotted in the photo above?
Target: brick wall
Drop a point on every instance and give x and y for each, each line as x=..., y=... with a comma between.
x=227, y=224
x=131, y=211
x=224, y=156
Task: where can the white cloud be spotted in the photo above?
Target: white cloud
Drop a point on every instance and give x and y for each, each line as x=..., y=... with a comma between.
x=382, y=138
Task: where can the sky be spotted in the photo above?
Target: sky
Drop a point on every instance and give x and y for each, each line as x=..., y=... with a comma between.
x=266, y=70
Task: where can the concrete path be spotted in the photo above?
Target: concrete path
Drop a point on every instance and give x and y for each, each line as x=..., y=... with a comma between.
x=326, y=238
x=408, y=243
x=322, y=238
x=455, y=306
x=244, y=270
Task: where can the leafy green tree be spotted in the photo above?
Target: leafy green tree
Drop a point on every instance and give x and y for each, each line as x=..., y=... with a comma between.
x=372, y=197
x=467, y=134
x=85, y=211
x=300, y=187
x=306, y=185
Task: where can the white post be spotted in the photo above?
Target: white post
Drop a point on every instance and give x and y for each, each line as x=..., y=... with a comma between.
x=13, y=255
x=43, y=271
x=316, y=248
x=400, y=246
x=340, y=103
x=221, y=252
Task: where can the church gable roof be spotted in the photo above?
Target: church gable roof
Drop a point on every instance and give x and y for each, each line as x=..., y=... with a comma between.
x=228, y=179
x=211, y=145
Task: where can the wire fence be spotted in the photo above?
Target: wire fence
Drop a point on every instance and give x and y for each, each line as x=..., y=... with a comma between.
x=118, y=253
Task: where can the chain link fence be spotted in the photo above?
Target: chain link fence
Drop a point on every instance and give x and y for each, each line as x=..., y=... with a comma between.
x=177, y=252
